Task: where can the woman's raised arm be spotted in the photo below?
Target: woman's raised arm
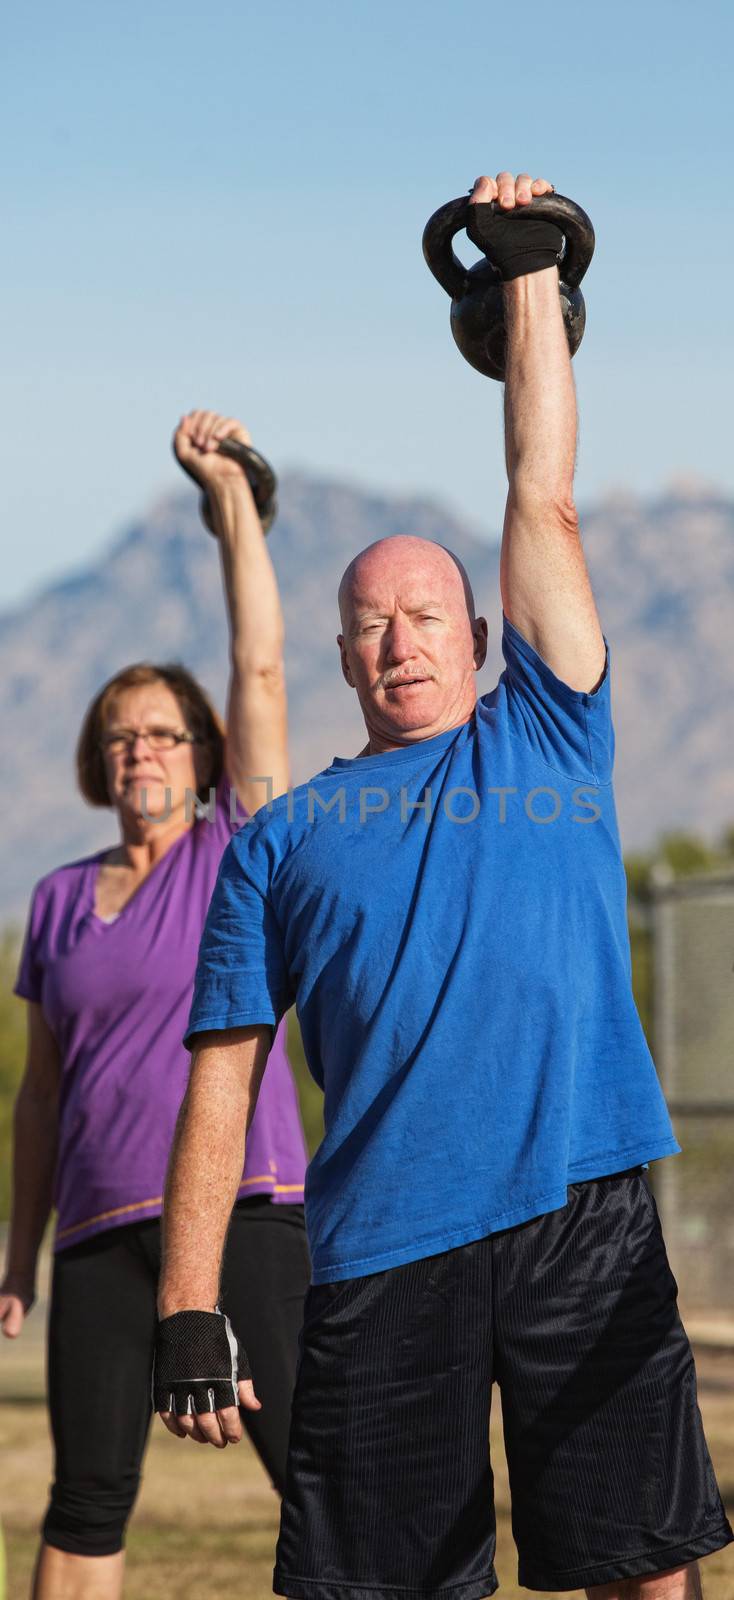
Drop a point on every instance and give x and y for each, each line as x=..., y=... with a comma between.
x=256, y=751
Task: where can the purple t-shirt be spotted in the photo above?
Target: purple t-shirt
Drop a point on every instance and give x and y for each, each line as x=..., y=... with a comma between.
x=117, y=996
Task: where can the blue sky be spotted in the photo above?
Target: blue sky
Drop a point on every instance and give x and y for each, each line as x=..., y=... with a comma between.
x=226, y=209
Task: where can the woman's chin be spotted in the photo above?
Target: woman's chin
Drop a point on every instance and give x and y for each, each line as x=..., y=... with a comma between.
x=150, y=800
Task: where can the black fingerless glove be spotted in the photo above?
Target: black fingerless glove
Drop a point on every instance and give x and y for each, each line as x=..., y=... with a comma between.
x=198, y=1363
x=515, y=242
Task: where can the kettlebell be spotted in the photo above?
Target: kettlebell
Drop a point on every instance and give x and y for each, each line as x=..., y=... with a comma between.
x=477, y=303
x=259, y=474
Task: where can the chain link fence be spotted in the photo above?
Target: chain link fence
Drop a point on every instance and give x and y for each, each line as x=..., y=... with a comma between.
x=693, y=1016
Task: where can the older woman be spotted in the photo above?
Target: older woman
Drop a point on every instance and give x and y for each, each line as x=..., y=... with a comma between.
x=107, y=971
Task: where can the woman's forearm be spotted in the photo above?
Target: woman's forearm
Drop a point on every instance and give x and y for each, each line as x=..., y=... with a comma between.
x=251, y=589
x=257, y=719
x=34, y=1161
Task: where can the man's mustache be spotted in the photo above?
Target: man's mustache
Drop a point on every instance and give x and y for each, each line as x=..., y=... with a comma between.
x=389, y=680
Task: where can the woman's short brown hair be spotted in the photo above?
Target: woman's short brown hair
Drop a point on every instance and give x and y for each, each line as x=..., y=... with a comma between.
x=196, y=709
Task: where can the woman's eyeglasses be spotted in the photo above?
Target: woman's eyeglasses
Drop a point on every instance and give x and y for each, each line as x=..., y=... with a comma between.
x=123, y=739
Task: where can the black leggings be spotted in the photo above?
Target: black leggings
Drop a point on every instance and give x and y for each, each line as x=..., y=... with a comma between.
x=101, y=1333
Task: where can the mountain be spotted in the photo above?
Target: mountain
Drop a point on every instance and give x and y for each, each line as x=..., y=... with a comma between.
x=663, y=575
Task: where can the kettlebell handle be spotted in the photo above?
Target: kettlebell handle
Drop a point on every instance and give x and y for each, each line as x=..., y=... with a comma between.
x=259, y=474
x=445, y=223
x=257, y=470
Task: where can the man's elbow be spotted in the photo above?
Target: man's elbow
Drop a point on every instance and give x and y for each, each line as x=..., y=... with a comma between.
x=553, y=509
x=260, y=682
x=566, y=517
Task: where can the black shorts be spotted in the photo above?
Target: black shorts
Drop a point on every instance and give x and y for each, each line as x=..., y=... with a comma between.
x=574, y=1316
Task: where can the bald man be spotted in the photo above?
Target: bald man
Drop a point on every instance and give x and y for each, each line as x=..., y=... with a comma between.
x=447, y=911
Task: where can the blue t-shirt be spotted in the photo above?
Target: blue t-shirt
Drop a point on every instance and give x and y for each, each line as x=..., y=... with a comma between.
x=450, y=920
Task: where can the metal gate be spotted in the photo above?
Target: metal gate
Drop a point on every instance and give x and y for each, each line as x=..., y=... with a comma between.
x=693, y=975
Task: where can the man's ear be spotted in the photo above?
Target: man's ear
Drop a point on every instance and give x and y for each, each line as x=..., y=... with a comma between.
x=479, y=630
x=345, y=664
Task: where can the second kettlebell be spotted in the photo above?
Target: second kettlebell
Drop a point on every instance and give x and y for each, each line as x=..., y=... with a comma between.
x=477, y=301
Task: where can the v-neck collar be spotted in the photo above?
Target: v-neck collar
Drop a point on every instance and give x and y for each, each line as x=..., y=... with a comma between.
x=95, y=864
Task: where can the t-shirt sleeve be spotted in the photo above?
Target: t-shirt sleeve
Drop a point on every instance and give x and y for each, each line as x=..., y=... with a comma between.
x=29, y=981
x=241, y=975
x=571, y=730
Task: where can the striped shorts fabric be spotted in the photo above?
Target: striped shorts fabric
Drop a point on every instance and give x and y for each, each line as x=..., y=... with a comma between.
x=573, y=1315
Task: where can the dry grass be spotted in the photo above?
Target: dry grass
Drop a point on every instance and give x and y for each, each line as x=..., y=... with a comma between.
x=206, y=1522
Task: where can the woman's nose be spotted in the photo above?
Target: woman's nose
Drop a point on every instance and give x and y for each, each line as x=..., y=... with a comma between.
x=136, y=745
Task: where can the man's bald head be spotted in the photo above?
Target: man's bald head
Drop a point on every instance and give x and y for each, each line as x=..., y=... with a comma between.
x=395, y=551
x=411, y=642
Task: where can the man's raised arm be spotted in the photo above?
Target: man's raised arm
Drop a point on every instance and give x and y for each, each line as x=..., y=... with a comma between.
x=200, y=1372
x=545, y=585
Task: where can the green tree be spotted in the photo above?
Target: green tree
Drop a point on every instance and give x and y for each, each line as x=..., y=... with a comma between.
x=638, y=869
x=686, y=854
x=12, y=1054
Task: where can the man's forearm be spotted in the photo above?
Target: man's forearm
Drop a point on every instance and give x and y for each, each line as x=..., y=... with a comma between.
x=540, y=400
x=206, y=1167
